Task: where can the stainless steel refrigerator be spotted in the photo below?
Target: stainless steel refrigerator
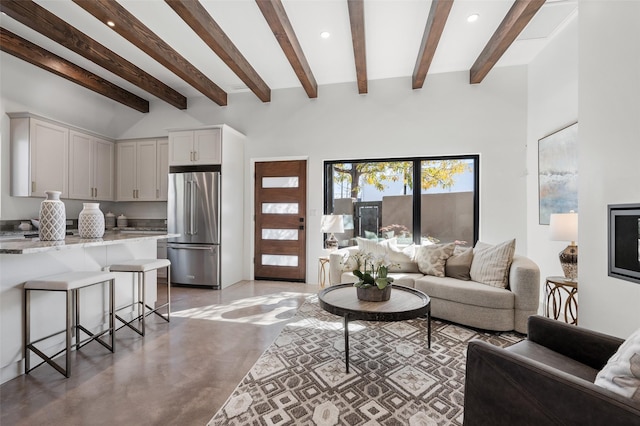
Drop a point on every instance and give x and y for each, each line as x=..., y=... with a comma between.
x=193, y=211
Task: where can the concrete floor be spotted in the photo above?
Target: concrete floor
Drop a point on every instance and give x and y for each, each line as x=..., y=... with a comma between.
x=179, y=373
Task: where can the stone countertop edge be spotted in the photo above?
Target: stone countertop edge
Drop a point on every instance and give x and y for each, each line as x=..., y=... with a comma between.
x=34, y=245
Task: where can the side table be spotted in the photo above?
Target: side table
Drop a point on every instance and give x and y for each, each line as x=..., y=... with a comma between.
x=555, y=288
x=323, y=261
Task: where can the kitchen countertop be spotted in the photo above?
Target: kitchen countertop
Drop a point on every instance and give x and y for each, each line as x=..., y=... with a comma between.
x=21, y=245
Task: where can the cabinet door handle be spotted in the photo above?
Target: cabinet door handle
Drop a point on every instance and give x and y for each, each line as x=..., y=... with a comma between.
x=134, y=193
x=157, y=193
x=33, y=186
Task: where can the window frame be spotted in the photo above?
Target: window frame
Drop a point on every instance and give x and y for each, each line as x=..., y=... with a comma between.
x=417, y=203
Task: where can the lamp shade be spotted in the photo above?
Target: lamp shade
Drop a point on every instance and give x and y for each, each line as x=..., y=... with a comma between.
x=332, y=223
x=564, y=227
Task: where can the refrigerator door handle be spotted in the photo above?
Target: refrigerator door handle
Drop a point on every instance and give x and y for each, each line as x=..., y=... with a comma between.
x=194, y=209
x=187, y=203
x=182, y=247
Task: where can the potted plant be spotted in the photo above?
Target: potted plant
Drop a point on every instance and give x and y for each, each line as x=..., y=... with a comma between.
x=374, y=284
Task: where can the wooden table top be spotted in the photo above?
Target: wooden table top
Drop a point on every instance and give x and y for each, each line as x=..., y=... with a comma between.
x=404, y=303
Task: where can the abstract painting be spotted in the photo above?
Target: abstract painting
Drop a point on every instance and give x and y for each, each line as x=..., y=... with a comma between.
x=558, y=172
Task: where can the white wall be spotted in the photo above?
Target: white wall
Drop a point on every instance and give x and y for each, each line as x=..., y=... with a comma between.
x=609, y=156
x=553, y=105
x=447, y=116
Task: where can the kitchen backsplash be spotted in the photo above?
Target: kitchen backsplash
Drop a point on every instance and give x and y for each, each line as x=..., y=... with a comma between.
x=12, y=225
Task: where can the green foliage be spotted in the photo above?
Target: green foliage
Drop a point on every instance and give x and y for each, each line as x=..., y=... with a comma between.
x=437, y=173
x=377, y=277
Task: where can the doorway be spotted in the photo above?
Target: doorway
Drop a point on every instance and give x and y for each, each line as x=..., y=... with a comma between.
x=280, y=220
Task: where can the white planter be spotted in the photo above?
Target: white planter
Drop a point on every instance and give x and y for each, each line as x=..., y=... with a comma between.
x=53, y=219
x=91, y=221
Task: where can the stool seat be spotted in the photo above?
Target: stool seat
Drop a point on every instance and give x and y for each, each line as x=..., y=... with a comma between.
x=140, y=265
x=69, y=280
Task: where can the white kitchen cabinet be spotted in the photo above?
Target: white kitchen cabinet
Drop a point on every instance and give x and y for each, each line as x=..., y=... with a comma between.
x=39, y=156
x=91, y=165
x=138, y=167
x=162, y=174
x=190, y=147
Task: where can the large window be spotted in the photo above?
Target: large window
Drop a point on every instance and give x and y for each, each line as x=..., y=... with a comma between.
x=419, y=200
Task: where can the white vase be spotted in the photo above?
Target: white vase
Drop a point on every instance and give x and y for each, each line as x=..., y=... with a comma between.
x=53, y=219
x=91, y=221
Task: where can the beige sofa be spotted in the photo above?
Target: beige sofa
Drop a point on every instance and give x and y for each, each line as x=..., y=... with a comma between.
x=465, y=302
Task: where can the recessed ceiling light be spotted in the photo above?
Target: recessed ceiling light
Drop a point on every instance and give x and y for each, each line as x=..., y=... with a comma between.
x=111, y=24
x=325, y=34
x=473, y=18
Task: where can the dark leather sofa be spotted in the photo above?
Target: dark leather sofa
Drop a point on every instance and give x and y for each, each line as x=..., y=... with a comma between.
x=546, y=379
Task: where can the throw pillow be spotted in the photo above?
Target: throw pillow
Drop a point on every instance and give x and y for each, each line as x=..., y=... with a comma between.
x=432, y=258
x=401, y=258
x=622, y=372
x=459, y=264
x=375, y=248
x=490, y=264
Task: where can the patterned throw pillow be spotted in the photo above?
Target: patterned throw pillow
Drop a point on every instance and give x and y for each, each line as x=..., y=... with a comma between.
x=491, y=264
x=622, y=372
x=459, y=264
x=432, y=259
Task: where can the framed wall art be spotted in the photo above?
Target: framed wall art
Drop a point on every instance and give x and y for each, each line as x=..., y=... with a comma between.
x=558, y=172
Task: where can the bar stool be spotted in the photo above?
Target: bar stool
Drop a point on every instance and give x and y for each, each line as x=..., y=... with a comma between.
x=71, y=283
x=140, y=267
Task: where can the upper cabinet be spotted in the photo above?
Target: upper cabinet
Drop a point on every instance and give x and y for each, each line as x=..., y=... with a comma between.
x=91, y=167
x=142, y=170
x=191, y=147
x=39, y=156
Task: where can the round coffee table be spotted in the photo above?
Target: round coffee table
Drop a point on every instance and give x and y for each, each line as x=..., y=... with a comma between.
x=405, y=303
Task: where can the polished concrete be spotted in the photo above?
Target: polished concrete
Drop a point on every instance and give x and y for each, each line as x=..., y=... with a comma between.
x=179, y=373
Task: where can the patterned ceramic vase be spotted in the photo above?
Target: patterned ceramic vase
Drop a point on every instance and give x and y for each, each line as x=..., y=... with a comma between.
x=91, y=221
x=53, y=219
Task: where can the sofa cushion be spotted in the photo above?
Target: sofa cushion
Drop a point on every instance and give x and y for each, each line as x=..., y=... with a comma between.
x=491, y=263
x=621, y=374
x=553, y=359
x=467, y=292
x=374, y=247
x=431, y=259
x=459, y=264
x=401, y=258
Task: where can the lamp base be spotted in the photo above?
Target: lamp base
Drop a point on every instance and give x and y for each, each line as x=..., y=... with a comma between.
x=331, y=243
x=569, y=262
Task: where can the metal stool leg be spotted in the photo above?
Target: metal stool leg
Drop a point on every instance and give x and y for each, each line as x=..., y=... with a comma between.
x=27, y=330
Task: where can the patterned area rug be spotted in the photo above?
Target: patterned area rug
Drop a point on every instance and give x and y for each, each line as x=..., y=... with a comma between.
x=394, y=378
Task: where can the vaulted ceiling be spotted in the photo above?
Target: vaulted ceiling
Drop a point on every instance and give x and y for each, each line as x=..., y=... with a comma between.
x=134, y=50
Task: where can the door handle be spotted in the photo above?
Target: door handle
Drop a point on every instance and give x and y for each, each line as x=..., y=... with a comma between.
x=207, y=248
x=192, y=208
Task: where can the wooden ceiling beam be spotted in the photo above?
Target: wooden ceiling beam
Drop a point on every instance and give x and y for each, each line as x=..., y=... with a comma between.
x=356, y=19
x=201, y=22
x=27, y=51
x=438, y=15
x=46, y=23
x=129, y=27
x=275, y=15
x=511, y=26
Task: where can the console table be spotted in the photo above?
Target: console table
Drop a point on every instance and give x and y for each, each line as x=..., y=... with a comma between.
x=405, y=303
x=555, y=289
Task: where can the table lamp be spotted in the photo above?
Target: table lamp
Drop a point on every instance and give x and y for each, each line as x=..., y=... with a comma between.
x=564, y=227
x=331, y=224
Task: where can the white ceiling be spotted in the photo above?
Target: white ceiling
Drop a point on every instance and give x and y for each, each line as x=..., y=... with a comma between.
x=393, y=29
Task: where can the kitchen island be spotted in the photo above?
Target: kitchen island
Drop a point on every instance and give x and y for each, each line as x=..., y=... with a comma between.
x=23, y=259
